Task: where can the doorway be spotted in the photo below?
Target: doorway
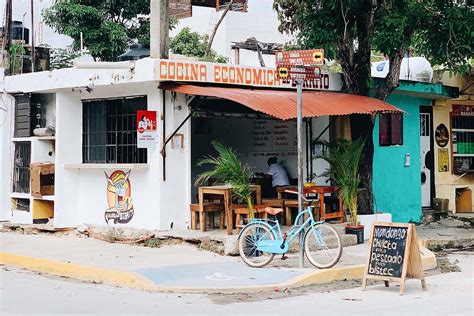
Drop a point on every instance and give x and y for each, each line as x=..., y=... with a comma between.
x=426, y=156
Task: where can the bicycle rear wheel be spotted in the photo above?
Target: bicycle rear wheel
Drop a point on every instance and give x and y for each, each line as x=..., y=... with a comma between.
x=322, y=246
x=249, y=237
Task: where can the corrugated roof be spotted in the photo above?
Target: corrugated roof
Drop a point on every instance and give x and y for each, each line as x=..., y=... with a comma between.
x=282, y=103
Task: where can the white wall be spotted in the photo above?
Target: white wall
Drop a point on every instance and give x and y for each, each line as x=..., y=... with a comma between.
x=68, y=147
x=81, y=195
x=174, y=191
x=6, y=109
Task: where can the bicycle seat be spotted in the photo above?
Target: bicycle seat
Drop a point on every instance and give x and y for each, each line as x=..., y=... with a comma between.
x=273, y=211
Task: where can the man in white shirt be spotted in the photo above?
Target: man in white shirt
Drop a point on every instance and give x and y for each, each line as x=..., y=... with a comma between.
x=278, y=173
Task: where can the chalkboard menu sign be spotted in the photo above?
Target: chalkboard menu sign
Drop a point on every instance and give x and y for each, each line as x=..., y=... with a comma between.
x=387, y=251
x=394, y=254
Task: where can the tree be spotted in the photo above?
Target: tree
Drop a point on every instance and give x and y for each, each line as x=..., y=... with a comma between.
x=195, y=45
x=349, y=30
x=63, y=57
x=108, y=27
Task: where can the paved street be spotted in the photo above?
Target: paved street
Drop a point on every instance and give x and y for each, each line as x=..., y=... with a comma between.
x=25, y=292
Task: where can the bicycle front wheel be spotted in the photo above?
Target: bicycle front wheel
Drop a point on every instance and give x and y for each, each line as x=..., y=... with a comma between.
x=251, y=234
x=322, y=246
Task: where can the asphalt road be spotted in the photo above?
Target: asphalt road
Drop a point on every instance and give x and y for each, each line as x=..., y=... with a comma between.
x=28, y=293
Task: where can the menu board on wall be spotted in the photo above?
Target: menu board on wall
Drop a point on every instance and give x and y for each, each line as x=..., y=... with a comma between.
x=273, y=136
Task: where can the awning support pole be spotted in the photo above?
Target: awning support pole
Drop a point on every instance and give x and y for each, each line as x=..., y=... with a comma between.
x=325, y=129
x=299, y=124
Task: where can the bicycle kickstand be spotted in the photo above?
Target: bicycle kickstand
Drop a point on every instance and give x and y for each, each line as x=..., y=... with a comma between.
x=283, y=256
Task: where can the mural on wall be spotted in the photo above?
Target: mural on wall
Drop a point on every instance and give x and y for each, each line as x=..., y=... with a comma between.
x=119, y=191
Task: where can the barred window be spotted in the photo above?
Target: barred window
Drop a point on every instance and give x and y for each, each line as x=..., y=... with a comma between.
x=109, y=131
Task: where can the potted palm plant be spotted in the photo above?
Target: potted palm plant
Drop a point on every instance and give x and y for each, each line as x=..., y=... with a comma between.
x=344, y=157
x=228, y=169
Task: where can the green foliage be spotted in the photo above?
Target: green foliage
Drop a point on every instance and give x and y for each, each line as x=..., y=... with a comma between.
x=194, y=44
x=344, y=158
x=439, y=29
x=63, y=58
x=447, y=37
x=16, y=55
x=227, y=169
x=108, y=26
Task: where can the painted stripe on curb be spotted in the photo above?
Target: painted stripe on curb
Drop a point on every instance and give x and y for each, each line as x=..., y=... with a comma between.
x=134, y=280
x=77, y=271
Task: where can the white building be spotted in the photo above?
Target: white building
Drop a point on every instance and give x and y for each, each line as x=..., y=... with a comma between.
x=260, y=22
x=93, y=110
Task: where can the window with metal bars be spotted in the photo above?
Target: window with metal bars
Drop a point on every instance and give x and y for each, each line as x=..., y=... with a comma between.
x=109, y=131
x=21, y=167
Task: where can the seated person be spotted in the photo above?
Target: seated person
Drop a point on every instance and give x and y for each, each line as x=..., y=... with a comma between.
x=277, y=173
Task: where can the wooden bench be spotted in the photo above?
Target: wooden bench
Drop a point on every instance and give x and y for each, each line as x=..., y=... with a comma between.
x=209, y=207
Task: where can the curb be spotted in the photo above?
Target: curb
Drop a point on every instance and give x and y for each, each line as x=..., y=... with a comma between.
x=78, y=271
x=127, y=279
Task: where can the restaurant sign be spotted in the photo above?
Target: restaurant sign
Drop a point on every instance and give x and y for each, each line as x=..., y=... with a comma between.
x=190, y=71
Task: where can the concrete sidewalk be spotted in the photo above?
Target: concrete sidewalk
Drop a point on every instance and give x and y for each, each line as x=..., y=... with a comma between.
x=179, y=267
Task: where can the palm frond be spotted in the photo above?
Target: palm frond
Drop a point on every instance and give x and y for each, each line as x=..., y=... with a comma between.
x=344, y=159
x=228, y=169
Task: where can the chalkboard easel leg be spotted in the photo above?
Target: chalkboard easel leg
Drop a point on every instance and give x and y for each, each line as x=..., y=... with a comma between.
x=386, y=283
x=402, y=286
x=423, y=284
x=364, y=284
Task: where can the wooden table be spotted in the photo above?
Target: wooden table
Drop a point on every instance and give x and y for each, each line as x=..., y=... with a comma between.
x=320, y=190
x=227, y=193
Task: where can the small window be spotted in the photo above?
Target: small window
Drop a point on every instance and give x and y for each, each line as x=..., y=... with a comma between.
x=109, y=131
x=391, y=129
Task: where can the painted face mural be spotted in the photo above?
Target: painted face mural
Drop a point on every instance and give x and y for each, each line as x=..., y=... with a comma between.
x=119, y=191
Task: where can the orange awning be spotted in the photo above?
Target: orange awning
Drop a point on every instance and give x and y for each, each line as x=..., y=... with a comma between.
x=282, y=103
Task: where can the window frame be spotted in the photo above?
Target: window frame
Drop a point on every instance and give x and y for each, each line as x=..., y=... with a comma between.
x=386, y=125
x=109, y=133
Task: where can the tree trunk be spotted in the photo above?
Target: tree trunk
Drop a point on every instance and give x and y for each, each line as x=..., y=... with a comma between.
x=213, y=34
x=250, y=207
x=362, y=126
x=393, y=77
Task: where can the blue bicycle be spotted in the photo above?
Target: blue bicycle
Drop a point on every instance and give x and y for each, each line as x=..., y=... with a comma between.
x=261, y=239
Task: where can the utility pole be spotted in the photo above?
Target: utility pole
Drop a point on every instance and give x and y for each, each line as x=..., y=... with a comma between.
x=299, y=128
x=7, y=33
x=33, y=59
x=159, y=29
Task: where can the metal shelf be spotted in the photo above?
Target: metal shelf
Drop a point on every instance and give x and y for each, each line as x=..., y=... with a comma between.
x=463, y=155
x=468, y=130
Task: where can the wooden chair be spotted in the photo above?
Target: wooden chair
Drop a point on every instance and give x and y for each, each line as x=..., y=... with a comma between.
x=261, y=211
x=211, y=208
x=289, y=204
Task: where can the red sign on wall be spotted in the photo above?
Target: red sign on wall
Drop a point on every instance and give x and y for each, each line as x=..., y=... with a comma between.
x=463, y=110
x=147, y=130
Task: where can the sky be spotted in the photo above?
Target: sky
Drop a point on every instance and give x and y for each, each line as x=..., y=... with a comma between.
x=22, y=12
